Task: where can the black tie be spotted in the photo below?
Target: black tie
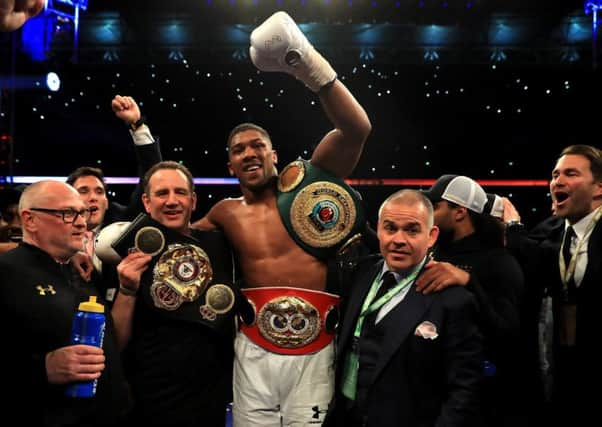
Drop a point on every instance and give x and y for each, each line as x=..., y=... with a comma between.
x=566, y=245
x=566, y=254
x=388, y=282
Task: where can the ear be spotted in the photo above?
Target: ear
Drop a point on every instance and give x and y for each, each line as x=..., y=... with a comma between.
x=598, y=190
x=433, y=234
x=146, y=202
x=28, y=221
x=229, y=164
x=193, y=201
x=459, y=213
x=274, y=157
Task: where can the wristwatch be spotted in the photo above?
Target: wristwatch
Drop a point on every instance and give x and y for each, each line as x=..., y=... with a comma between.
x=127, y=291
x=514, y=225
x=134, y=126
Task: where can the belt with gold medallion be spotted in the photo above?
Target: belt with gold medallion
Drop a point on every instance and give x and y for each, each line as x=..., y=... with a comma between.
x=291, y=320
x=320, y=211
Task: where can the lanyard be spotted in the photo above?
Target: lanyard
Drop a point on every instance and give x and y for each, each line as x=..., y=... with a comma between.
x=370, y=306
x=352, y=363
x=567, y=273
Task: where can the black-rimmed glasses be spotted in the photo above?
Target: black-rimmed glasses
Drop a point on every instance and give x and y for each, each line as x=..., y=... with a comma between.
x=69, y=215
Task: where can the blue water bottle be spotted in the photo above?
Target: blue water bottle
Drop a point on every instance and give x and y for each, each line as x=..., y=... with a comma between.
x=88, y=328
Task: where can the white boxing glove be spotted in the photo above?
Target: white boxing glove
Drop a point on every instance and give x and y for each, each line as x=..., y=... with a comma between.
x=279, y=45
x=107, y=235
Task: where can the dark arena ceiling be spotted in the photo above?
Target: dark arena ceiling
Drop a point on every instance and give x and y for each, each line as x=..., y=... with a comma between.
x=488, y=89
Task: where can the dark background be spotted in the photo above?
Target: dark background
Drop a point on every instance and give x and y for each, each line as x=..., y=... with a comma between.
x=466, y=116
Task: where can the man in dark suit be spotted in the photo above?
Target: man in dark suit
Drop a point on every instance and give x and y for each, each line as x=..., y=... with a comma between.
x=406, y=359
x=569, y=261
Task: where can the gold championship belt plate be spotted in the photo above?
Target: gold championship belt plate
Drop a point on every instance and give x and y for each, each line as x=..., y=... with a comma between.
x=180, y=275
x=323, y=214
x=219, y=299
x=291, y=320
x=191, y=275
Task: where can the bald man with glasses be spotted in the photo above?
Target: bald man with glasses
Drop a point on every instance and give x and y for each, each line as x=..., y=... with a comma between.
x=39, y=294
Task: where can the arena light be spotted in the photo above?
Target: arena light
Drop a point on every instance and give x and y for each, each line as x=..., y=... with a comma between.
x=53, y=82
x=431, y=55
x=593, y=7
x=366, y=54
x=110, y=56
x=498, y=55
x=49, y=81
x=570, y=55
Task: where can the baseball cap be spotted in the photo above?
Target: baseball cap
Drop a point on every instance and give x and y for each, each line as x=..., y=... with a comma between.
x=494, y=206
x=460, y=190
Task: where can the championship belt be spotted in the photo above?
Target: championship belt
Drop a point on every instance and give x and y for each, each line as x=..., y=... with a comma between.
x=188, y=278
x=291, y=320
x=320, y=211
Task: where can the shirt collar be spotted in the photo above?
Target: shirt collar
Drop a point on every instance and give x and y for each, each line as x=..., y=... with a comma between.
x=398, y=275
x=580, y=226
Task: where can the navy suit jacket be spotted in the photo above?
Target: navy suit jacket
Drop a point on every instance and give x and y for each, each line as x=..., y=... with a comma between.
x=417, y=381
x=574, y=368
x=541, y=256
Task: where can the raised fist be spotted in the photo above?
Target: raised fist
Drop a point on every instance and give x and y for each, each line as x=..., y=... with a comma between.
x=279, y=45
x=126, y=109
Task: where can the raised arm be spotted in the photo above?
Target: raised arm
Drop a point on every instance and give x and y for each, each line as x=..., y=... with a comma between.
x=341, y=148
x=279, y=45
x=147, y=150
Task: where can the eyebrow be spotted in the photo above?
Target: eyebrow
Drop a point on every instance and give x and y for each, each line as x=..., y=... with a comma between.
x=90, y=186
x=71, y=208
x=248, y=141
x=165, y=189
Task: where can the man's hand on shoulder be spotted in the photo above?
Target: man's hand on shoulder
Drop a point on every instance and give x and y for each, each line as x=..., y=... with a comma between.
x=439, y=275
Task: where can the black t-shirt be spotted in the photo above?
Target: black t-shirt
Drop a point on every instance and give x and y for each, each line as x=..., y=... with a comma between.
x=181, y=369
x=38, y=299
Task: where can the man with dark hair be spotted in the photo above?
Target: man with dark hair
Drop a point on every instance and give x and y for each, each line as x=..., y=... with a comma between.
x=567, y=259
x=90, y=184
x=284, y=229
x=174, y=312
x=470, y=252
